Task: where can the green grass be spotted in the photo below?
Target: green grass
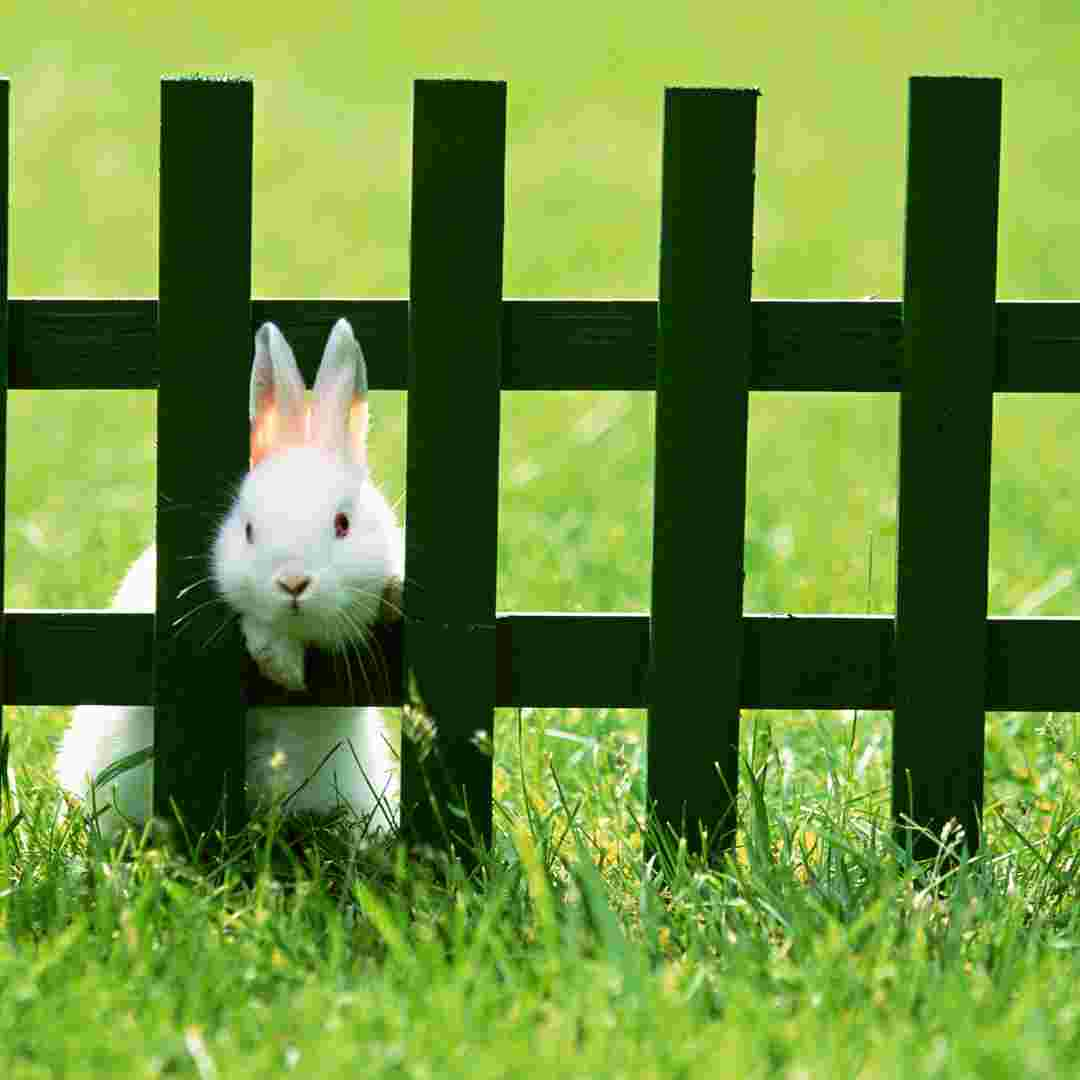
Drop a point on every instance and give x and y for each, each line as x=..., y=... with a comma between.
x=816, y=950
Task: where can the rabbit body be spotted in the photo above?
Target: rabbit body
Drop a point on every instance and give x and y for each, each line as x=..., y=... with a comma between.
x=309, y=553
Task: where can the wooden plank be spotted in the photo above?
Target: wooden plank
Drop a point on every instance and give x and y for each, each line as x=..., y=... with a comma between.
x=946, y=415
x=1038, y=347
x=108, y=658
x=1031, y=664
x=205, y=348
x=789, y=662
x=455, y=324
x=817, y=345
x=839, y=345
x=5, y=127
x=84, y=345
x=603, y=660
x=579, y=345
x=702, y=396
x=820, y=661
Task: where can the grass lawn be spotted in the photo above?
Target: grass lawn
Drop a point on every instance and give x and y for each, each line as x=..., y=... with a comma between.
x=817, y=950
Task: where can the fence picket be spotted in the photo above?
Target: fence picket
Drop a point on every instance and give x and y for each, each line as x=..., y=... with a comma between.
x=205, y=348
x=455, y=327
x=702, y=392
x=946, y=412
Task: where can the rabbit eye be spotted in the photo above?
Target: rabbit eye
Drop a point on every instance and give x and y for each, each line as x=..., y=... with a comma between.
x=341, y=525
x=249, y=533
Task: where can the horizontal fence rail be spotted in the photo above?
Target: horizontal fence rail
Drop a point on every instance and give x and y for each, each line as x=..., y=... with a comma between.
x=826, y=345
x=789, y=661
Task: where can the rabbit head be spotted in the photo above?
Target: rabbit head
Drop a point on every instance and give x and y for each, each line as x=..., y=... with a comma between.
x=310, y=552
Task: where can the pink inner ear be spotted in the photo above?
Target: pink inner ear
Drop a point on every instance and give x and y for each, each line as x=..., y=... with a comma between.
x=358, y=428
x=270, y=433
x=264, y=433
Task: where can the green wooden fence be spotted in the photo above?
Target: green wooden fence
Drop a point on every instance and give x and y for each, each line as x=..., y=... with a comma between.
x=703, y=346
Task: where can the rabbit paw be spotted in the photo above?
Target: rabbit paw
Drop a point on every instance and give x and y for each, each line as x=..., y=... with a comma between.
x=280, y=660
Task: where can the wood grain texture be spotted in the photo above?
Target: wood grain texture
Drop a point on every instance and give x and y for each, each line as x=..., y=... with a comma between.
x=205, y=348
x=702, y=397
x=946, y=417
x=455, y=350
x=838, y=345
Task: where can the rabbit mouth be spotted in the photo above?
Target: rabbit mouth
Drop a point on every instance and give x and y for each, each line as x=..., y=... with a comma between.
x=296, y=617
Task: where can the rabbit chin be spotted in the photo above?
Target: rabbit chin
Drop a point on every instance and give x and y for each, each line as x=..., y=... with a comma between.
x=304, y=627
x=325, y=626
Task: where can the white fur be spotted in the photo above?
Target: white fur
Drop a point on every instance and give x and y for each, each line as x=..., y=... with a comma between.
x=287, y=505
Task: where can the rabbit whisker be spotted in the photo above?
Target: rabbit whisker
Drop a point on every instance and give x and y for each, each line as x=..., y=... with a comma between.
x=178, y=622
x=411, y=584
x=375, y=651
x=366, y=636
x=341, y=653
x=233, y=617
x=354, y=636
x=340, y=657
x=358, y=621
x=367, y=594
x=194, y=585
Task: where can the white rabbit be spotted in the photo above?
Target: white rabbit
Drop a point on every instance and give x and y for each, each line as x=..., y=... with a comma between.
x=309, y=553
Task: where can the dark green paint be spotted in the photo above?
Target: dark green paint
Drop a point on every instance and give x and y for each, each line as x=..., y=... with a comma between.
x=940, y=663
x=702, y=394
x=455, y=348
x=789, y=662
x=603, y=660
x=204, y=348
x=837, y=345
x=946, y=415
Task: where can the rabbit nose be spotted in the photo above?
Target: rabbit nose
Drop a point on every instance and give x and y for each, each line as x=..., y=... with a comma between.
x=293, y=584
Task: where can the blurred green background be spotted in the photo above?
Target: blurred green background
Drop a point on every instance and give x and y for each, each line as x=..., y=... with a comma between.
x=332, y=152
x=333, y=86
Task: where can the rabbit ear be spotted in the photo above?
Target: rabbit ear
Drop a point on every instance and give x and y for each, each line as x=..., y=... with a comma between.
x=276, y=406
x=339, y=415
